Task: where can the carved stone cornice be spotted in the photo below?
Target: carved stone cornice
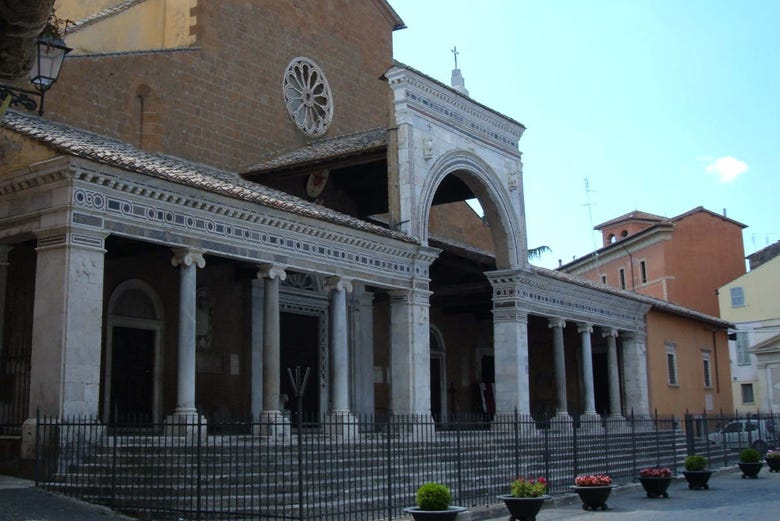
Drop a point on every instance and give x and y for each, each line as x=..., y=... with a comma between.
x=436, y=100
x=543, y=296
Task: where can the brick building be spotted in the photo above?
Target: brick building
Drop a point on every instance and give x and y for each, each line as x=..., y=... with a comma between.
x=243, y=187
x=683, y=259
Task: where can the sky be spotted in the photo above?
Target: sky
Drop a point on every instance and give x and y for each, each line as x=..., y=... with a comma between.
x=661, y=105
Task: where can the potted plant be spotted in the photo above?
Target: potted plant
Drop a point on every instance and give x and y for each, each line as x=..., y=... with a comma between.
x=526, y=498
x=696, y=472
x=750, y=462
x=773, y=460
x=593, y=489
x=655, y=480
x=433, y=504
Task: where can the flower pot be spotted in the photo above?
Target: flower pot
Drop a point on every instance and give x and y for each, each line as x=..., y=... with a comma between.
x=773, y=464
x=697, y=479
x=751, y=469
x=523, y=508
x=593, y=498
x=435, y=515
x=655, y=486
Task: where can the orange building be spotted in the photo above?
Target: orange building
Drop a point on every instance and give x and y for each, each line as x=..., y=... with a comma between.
x=682, y=259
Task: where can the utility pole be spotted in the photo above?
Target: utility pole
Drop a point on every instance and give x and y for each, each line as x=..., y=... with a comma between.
x=590, y=212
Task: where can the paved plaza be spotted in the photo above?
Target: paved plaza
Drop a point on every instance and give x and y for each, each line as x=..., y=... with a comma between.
x=729, y=497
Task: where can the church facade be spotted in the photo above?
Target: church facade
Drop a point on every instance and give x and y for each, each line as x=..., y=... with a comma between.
x=190, y=219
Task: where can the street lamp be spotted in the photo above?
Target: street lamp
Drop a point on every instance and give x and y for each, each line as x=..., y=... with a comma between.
x=47, y=62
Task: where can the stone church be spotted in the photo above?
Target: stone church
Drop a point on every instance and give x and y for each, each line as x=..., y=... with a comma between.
x=219, y=191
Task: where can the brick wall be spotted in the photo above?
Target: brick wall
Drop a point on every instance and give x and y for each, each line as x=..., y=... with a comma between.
x=221, y=102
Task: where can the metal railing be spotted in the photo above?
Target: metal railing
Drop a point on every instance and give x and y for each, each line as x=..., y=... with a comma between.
x=335, y=468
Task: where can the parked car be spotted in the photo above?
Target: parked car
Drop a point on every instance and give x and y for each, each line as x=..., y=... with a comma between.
x=759, y=434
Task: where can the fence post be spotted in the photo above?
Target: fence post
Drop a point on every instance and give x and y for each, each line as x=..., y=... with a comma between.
x=657, y=440
x=389, y=480
x=113, y=466
x=517, y=444
x=459, y=459
x=690, y=443
x=547, y=450
x=198, y=463
x=674, y=443
x=633, y=443
x=37, y=444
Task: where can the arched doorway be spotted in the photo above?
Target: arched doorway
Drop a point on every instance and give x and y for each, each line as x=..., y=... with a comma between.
x=133, y=368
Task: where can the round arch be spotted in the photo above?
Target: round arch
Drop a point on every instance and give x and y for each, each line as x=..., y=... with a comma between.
x=496, y=201
x=134, y=308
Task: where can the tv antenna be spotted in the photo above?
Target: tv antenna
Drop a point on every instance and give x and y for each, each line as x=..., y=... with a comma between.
x=590, y=211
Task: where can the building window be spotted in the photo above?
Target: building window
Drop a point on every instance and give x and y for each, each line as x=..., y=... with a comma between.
x=643, y=271
x=705, y=358
x=622, y=277
x=737, y=297
x=747, y=393
x=671, y=363
x=603, y=279
x=743, y=356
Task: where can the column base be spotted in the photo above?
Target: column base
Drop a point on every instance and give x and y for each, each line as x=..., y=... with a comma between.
x=590, y=422
x=186, y=423
x=562, y=422
x=274, y=424
x=341, y=423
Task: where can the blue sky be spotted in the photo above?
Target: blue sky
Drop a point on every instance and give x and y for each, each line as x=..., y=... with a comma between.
x=663, y=105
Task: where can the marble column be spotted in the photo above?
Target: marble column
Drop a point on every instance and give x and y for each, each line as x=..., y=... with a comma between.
x=274, y=423
x=340, y=421
x=185, y=417
x=67, y=330
x=559, y=355
x=635, y=373
x=410, y=356
x=67, y=323
x=362, y=351
x=510, y=350
x=589, y=420
x=256, y=289
x=613, y=372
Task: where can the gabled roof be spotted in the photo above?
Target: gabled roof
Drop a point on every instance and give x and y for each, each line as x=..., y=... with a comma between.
x=770, y=345
x=81, y=143
x=701, y=209
x=342, y=147
x=636, y=215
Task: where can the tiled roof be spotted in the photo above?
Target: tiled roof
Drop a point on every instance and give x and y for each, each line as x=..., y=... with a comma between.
x=339, y=147
x=81, y=143
x=636, y=215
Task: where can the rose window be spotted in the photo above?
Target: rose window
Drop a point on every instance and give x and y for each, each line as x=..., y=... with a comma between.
x=307, y=97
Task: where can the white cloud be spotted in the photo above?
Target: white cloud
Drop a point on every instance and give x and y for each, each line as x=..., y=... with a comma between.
x=727, y=168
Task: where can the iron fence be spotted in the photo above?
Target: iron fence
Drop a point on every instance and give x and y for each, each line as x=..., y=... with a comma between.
x=344, y=468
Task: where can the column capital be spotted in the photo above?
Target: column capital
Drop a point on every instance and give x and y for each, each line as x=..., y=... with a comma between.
x=609, y=331
x=409, y=296
x=556, y=322
x=69, y=236
x=187, y=257
x=584, y=327
x=338, y=283
x=271, y=271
